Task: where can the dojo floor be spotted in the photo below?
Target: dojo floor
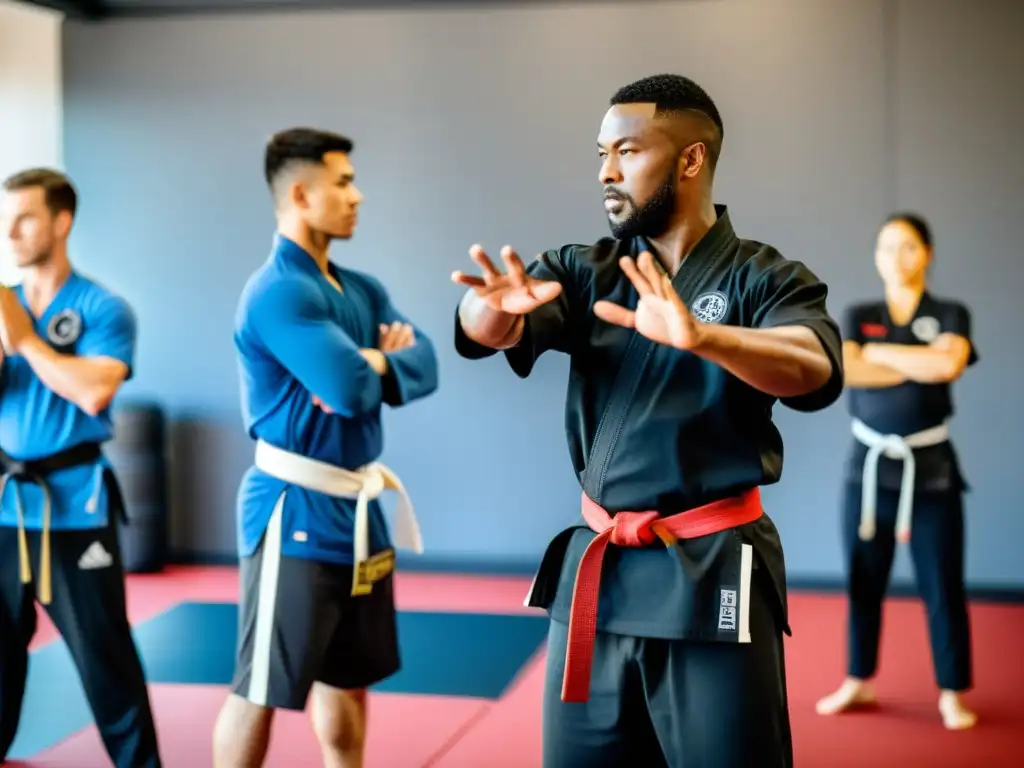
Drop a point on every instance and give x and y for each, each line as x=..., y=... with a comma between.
x=469, y=693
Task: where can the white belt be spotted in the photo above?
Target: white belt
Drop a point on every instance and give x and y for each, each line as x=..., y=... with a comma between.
x=363, y=485
x=900, y=449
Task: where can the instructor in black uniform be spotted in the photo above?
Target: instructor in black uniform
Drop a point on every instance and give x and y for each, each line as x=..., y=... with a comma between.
x=681, y=336
x=904, y=484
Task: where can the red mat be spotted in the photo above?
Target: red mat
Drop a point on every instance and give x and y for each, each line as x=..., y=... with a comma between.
x=418, y=731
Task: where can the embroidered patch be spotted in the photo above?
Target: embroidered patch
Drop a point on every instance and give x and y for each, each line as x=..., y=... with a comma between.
x=64, y=328
x=926, y=329
x=710, y=307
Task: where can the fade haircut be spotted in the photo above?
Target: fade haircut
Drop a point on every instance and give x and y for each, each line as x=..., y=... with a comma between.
x=677, y=95
x=299, y=146
x=59, y=193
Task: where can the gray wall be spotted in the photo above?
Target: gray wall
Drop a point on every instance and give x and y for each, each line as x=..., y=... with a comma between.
x=478, y=125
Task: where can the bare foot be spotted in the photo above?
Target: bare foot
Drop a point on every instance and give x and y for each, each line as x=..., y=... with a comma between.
x=851, y=694
x=955, y=716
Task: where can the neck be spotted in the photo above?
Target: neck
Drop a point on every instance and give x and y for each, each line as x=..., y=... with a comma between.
x=314, y=243
x=903, y=298
x=691, y=225
x=40, y=283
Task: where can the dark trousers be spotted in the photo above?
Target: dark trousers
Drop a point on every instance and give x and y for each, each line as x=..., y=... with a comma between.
x=674, y=703
x=88, y=608
x=937, y=549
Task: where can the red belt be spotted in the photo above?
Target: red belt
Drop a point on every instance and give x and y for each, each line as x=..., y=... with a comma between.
x=633, y=529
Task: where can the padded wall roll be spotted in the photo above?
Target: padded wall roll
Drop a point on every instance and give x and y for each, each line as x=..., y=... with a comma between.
x=138, y=454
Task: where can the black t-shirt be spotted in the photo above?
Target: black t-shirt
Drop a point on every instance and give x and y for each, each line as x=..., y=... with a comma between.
x=912, y=406
x=651, y=427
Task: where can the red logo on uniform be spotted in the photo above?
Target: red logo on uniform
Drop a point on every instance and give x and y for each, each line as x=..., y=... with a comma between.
x=873, y=330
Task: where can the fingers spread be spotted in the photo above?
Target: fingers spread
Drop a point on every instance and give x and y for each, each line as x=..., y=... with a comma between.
x=546, y=291
x=613, y=313
x=470, y=281
x=643, y=287
x=483, y=261
x=516, y=270
x=651, y=273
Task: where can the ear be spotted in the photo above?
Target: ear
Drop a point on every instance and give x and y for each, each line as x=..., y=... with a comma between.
x=62, y=224
x=297, y=194
x=691, y=160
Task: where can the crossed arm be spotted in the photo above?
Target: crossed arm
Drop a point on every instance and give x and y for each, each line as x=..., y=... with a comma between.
x=294, y=323
x=90, y=382
x=90, y=378
x=886, y=365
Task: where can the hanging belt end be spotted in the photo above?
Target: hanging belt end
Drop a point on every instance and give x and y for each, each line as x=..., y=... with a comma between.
x=574, y=689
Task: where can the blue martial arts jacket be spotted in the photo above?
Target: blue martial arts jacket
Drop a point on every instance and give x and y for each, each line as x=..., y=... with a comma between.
x=297, y=337
x=84, y=319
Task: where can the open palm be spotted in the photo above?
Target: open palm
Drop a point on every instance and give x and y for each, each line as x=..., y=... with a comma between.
x=660, y=314
x=514, y=292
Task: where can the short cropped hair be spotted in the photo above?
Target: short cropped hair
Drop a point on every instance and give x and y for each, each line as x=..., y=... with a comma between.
x=58, y=190
x=675, y=94
x=300, y=145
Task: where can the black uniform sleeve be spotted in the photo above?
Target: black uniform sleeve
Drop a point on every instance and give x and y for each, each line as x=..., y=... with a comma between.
x=788, y=293
x=547, y=327
x=851, y=324
x=957, y=319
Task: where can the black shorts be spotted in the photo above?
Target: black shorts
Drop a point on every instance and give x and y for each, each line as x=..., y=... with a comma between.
x=299, y=623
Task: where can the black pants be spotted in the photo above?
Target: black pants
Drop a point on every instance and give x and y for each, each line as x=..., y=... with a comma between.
x=88, y=608
x=937, y=548
x=675, y=703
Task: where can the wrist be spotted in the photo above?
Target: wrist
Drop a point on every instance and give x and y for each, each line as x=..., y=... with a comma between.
x=30, y=344
x=711, y=338
x=514, y=335
x=376, y=359
x=486, y=326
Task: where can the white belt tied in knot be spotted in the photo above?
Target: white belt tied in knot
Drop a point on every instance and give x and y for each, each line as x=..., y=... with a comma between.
x=363, y=485
x=898, y=448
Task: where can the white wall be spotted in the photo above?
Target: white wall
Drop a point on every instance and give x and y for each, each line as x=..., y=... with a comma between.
x=30, y=96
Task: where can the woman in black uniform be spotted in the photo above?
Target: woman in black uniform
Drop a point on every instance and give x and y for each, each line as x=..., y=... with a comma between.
x=903, y=482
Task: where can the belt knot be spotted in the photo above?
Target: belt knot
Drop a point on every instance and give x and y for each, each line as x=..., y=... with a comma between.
x=893, y=446
x=634, y=529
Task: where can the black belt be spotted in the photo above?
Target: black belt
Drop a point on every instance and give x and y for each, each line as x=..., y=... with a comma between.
x=36, y=471
x=83, y=453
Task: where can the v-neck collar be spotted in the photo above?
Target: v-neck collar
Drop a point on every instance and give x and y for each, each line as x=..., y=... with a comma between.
x=294, y=254
x=720, y=236
x=922, y=304
x=48, y=310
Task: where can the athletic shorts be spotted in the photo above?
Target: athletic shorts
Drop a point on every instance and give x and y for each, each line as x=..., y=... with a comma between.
x=299, y=623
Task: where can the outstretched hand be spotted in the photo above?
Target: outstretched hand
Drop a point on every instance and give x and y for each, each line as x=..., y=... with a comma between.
x=660, y=314
x=515, y=293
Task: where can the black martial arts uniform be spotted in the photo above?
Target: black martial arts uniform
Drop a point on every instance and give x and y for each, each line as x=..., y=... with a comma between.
x=651, y=427
x=937, y=532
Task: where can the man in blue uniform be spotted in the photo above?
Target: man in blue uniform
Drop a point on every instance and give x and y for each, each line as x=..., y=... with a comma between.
x=681, y=337
x=68, y=345
x=321, y=349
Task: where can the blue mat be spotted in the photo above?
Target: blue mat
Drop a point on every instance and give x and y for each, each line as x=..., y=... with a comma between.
x=444, y=654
